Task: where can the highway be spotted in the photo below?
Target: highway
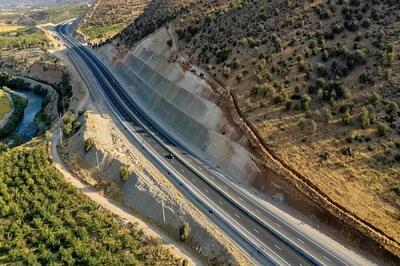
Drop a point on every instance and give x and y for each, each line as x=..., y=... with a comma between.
x=270, y=239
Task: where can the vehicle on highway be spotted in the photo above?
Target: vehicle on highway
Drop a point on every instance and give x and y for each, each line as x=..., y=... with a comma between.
x=169, y=156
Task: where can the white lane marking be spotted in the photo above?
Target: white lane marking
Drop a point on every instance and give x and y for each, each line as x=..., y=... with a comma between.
x=255, y=230
x=240, y=198
x=278, y=225
x=300, y=240
x=225, y=186
x=237, y=215
x=206, y=190
x=182, y=171
x=327, y=259
x=220, y=202
x=193, y=180
x=257, y=210
x=278, y=247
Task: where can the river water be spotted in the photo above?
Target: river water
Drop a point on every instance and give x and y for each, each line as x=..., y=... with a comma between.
x=27, y=128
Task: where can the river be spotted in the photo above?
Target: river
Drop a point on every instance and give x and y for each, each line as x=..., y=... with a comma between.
x=27, y=127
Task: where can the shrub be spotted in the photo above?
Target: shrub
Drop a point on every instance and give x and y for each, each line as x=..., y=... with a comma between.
x=327, y=114
x=277, y=42
x=305, y=67
x=389, y=58
x=226, y=71
x=280, y=98
x=372, y=116
x=393, y=108
x=320, y=83
x=184, y=231
x=124, y=173
x=169, y=43
x=240, y=77
x=70, y=124
x=374, y=98
x=365, y=118
x=305, y=102
x=89, y=143
x=346, y=117
x=383, y=129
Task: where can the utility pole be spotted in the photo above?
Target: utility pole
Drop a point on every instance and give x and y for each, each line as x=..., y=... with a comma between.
x=97, y=159
x=61, y=136
x=163, y=211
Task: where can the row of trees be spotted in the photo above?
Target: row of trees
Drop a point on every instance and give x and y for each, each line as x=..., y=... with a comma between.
x=45, y=220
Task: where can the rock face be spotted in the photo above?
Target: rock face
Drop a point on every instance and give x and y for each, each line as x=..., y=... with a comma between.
x=182, y=102
x=145, y=190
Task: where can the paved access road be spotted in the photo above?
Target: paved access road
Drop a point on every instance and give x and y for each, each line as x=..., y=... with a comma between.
x=267, y=237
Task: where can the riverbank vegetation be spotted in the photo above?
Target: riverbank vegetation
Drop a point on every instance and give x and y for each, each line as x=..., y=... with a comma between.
x=19, y=104
x=44, y=220
x=5, y=104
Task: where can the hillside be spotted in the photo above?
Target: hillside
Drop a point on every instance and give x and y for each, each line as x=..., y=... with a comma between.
x=316, y=80
x=40, y=3
x=108, y=18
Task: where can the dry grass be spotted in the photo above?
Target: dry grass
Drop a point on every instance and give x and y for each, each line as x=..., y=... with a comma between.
x=10, y=28
x=5, y=104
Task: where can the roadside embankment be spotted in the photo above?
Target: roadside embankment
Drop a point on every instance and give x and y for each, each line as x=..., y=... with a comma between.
x=103, y=158
x=6, y=107
x=19, y=102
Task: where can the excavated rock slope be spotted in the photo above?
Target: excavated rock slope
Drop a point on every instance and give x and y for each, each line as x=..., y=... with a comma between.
x=182, y=103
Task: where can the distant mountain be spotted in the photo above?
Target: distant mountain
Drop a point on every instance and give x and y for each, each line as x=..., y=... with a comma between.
x=40, y=3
